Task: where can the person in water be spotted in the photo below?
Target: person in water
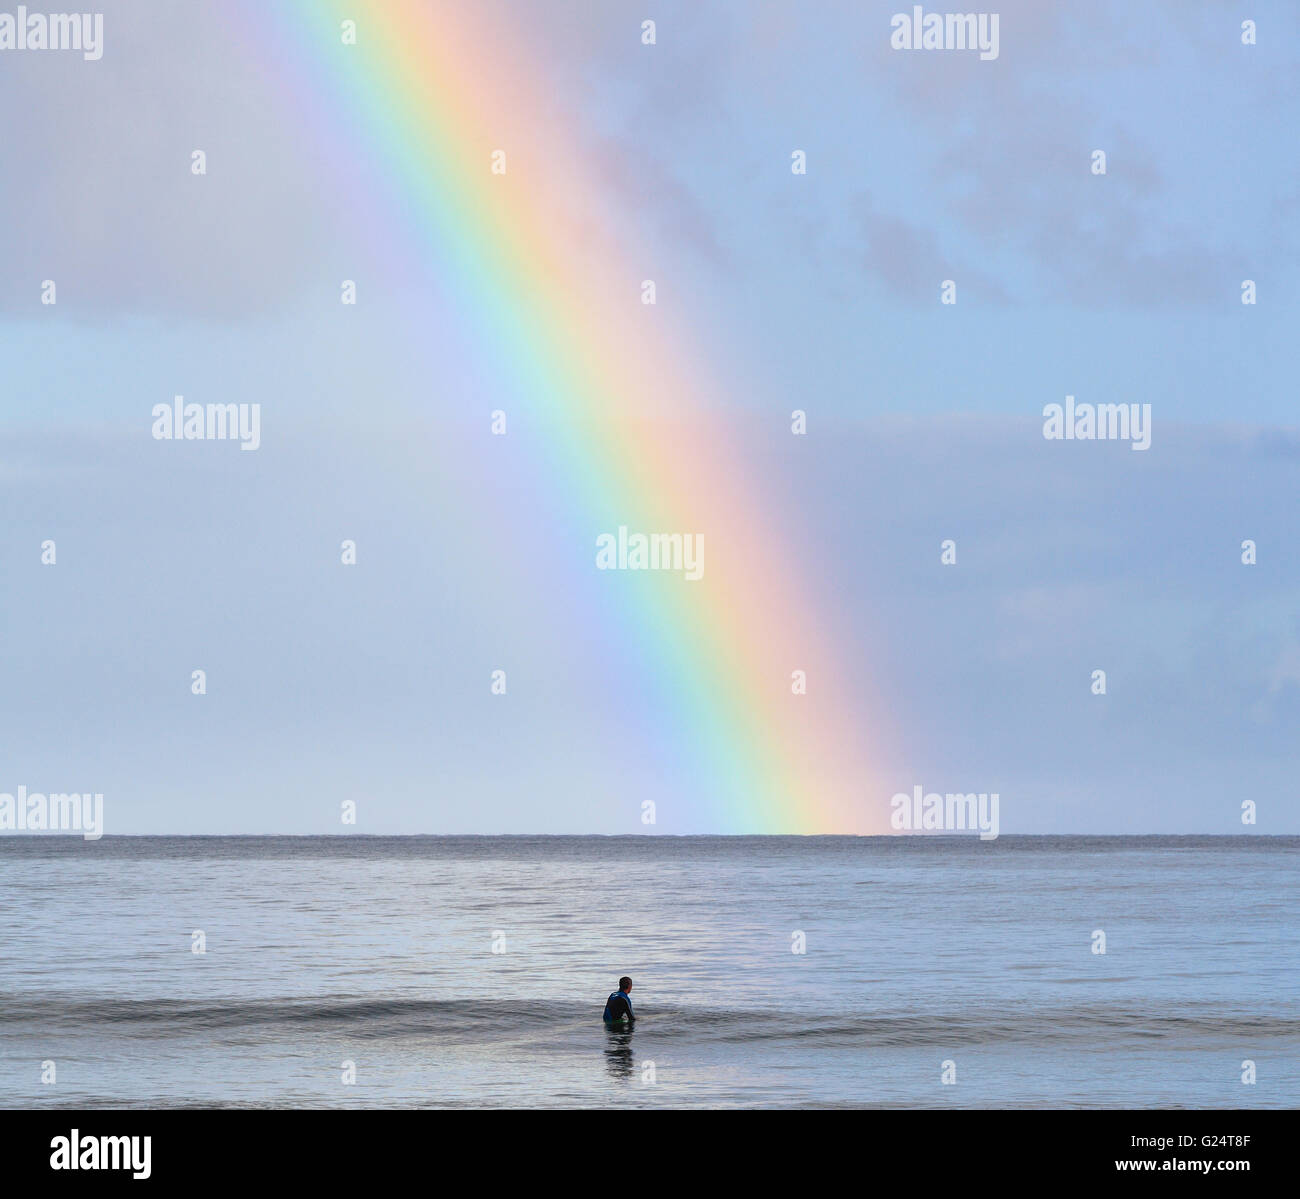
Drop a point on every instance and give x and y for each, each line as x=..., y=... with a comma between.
x=618, y=1007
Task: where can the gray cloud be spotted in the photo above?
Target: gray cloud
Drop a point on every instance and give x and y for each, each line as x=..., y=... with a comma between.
x=1009, y=145
x=909, y=261
x=102, y=199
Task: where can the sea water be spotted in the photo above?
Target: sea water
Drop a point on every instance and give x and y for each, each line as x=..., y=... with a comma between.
x=767, y=971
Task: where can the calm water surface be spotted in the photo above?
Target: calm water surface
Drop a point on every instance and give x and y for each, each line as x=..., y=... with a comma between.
x=917, y=951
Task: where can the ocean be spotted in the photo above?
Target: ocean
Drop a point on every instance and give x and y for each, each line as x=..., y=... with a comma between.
x=767, y=971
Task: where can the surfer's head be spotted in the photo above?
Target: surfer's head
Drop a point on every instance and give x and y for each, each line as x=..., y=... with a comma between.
x=625, y=984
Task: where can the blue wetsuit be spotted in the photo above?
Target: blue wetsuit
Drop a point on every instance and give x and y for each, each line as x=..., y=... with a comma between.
x=618, y=1008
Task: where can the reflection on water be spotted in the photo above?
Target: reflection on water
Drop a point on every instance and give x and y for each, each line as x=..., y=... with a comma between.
x=618, y=1051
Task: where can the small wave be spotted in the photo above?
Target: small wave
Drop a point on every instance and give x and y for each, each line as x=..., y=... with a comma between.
x=487, y=1019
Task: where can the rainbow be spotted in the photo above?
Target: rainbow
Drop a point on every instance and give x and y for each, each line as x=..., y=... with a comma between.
x=627, y=415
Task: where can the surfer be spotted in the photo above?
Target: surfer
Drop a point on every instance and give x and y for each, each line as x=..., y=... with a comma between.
x=618, y=1007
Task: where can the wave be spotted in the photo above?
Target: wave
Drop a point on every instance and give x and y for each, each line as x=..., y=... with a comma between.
x=487, y=1019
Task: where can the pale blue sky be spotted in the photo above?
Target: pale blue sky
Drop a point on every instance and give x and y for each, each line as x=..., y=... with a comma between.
x=818, y=292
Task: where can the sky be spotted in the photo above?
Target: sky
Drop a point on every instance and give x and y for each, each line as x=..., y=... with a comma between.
x=818, y=292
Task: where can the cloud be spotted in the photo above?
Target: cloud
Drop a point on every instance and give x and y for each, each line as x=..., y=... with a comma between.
x=101, y=198
x=909, y=261
x=647, y=189
x=1007, y=147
